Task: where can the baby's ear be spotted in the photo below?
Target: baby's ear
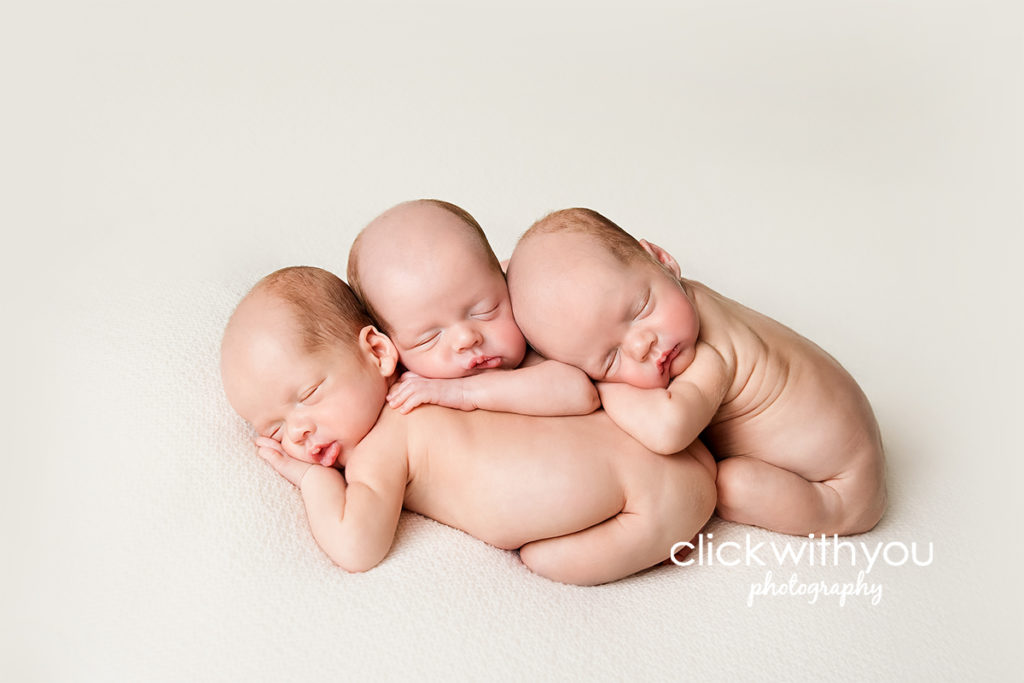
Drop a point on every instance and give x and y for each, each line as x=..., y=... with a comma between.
x=661, y=256
x=380, y=349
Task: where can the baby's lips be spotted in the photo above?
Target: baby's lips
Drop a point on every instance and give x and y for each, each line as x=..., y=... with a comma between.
x=329, y=455
x=485, y=362
x=325, y=454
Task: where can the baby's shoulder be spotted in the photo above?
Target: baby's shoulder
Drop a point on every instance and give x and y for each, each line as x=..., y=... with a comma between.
x=384, y=448
x=719, y=324
x=724, y=316
x=707, y=301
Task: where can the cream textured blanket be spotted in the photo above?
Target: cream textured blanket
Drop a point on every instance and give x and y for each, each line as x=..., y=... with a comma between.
x=837, y=166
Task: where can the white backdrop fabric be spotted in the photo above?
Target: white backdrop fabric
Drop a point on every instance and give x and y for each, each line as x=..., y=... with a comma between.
x=852, y=169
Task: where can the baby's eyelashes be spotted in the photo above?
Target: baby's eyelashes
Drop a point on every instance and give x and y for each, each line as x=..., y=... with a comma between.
x=645, y=307
x=609, y=365
x=427, y=341
x=308, y=394
x=486, y=315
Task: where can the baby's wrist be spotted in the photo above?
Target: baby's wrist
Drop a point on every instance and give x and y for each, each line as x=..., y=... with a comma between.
x=468, y=392
x=305, y=473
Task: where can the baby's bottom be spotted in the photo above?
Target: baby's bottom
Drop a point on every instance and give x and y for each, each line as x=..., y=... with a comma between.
x=670, y=503
x=752, y=491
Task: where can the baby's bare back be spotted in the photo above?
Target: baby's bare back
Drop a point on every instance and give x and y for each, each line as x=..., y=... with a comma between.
x=790, y=403
x=510, y=479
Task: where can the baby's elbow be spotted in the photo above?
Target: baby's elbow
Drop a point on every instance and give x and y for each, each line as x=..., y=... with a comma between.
x=583, y=396
x=662, y=445
x=354, y=563
x=589, y=401
x=666, y=442
x=671, y=434
x=353, y=558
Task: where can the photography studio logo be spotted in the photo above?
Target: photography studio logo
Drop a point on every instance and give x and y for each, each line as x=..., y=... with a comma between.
x=816, y=551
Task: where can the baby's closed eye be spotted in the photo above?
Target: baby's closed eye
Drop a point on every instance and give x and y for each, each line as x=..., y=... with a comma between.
x=610, y=364
x=645, y=307
x=427, y=340
x=486, y=313
x=308, y=394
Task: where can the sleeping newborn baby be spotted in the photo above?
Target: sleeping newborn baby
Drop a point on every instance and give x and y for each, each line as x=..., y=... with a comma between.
x=583, y=501
x=798, y=445
x=428, y=277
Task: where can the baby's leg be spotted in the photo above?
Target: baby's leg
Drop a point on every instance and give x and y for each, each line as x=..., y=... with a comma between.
x=640, y=536
x=611, y=550
x=751, y=491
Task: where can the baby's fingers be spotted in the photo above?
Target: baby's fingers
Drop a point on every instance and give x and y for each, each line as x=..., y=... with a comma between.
x=404, y=402
x=267, y=442
x=398, y=393
x=409, y=403
x=288, y=467
x=272, y=456
x=402, y=392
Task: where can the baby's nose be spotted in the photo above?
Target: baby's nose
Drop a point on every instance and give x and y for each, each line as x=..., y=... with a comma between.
x=640, y=344
x=299, y=433
x=465, y=336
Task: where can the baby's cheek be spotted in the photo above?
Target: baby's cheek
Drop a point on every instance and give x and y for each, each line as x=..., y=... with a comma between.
x=516, y=343
x=434, y=364
x=295, y=452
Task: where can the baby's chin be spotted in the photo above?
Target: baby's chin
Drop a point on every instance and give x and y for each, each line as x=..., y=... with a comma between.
x=681, y=362
x=655, y=383
x=645, y=382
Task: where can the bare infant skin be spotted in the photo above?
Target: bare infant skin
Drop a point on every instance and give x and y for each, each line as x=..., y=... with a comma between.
x=798, y=446
x=603, y=505
x=583, y=501
x=428, y=276
x=790, y=405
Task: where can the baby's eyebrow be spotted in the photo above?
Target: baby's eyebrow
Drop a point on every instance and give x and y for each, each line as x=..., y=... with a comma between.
x=408, y=332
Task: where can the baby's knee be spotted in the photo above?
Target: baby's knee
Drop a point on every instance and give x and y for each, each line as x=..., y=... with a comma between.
x=862, y=507
x=735, y=484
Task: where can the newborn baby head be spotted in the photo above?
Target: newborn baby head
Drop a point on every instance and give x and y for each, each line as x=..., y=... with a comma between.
x=587, y=293
x=301, y=363
x=428, y=277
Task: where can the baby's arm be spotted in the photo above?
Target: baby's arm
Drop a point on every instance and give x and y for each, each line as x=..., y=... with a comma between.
x=537, y=387
x=668, y=420
x=353, y=522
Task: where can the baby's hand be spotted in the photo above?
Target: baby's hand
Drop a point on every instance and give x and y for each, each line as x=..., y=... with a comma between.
x=412, y=390
x=288, y=467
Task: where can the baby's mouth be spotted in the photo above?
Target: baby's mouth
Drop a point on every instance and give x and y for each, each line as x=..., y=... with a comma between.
x=484, y=363
x=665, y=362
x=326, y=454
